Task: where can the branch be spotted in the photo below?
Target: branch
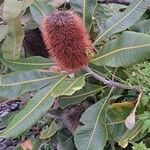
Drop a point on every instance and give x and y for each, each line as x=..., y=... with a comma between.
x=110, y=83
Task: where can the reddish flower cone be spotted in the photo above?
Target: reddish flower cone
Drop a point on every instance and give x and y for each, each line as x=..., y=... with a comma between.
x=67, y=40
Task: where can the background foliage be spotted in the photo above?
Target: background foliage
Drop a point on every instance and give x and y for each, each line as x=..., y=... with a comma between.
x=80, y=112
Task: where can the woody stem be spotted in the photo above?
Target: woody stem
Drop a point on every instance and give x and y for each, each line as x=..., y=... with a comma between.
x=110, y=83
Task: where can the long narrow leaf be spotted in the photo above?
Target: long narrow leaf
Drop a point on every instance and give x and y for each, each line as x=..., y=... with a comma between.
x=129, y=49
x=12, y=44
x=17, y=83
x=30, y=114
x=86, y=7
x=68, y=86
x=87, y=91
x=35, y=62
x=94, y=132
x=88, y=10
x=36, y=107
x=142, y=26
x=39, y=9
x=123, y=20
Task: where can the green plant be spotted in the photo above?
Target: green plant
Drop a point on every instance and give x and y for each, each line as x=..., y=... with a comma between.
x=121, y=39
x=140, y=146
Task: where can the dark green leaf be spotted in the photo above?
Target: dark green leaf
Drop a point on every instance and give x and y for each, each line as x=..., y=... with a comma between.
x=87, y=91
x=116, y=115
x=68, y=86
x=65, y=142
x=93, y=132
x=39, y=9
x=35, y=62
x=30, y=114
x=15, y=84
x=129, y=49
x=123, y=20
x=87, y=7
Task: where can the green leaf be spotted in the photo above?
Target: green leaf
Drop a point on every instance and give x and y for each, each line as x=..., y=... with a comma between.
x=118, y=112
x=88, y=10
x=87, y=7
x=15, y=84
x=94, y=132
x=65, y=142
x=3, y=31
x=37, y=106
x=77, y=5
x=102, y=13
x=139, y=146
x=129, y=49
x=36, y=143
x=123, y=20
x=27, y=3
x=142, y=26
x=116, y=115
x=32, y=112
x=49, y=131
x=13, y=8
x=35, y=62
x=131, y=134
x=87, y=91
x=12, y=44
x=39, y=9
x=68, y=86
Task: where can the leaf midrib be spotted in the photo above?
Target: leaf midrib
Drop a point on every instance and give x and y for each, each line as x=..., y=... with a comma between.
x=117, y=23
x=42, y=100
x=84, y=94
x=98, y=118
x=70, y=85
x=29, y=81
x=14, y=39
x=135, y=132
x=84, y=5
x=39, y=8
x=120, y=50
x=29, y=64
